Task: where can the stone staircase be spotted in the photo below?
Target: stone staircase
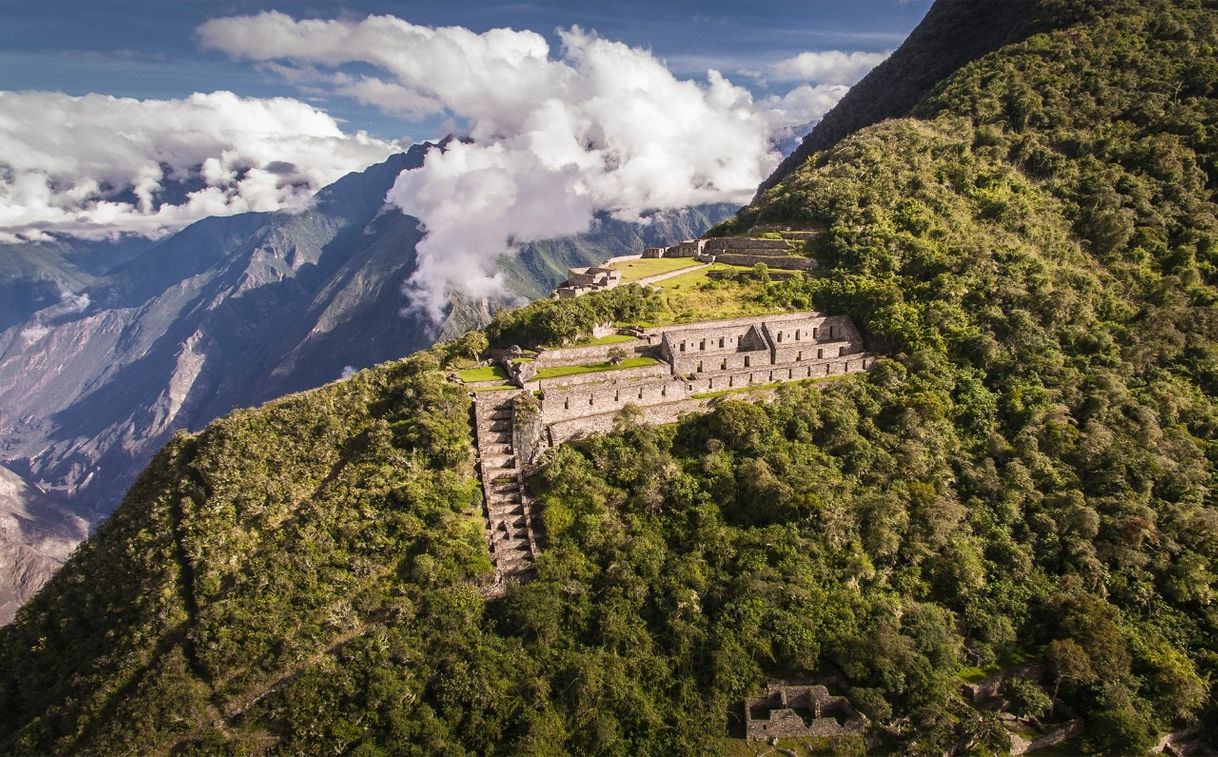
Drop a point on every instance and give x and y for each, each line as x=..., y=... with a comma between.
x=508, y=510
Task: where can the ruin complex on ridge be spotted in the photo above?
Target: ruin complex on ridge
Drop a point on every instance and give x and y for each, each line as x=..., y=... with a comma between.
x=566, y=393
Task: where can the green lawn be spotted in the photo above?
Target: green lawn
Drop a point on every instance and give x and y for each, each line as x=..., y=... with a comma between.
x=694, y=296
x=486, y=373
x=633, y=270
x=572, y=370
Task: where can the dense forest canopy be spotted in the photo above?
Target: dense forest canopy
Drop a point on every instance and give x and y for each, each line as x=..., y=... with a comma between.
x=1026, y=476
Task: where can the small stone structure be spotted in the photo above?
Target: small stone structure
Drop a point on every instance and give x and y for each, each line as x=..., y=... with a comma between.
x=592, y=279
x=794, y=711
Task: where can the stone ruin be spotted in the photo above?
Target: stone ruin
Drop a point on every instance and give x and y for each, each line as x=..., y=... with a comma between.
x=692, y=365
x=781, y=249
x=687, y=368
x=581, y=281
x=794, y=711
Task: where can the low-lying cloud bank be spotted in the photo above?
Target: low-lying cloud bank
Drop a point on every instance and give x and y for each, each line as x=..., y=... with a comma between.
x=98, y=165
x=558, y=135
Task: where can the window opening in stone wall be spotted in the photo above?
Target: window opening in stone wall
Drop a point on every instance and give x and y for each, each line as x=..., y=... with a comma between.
x=702, y=345
x=820, y=354
x=814, y=330
x=746, y=361
x=589, y=400
x=830, y=332
x=780, y=337
x=566, y=404
x=720, y=342
x=799, y=356
x=841, y=351
x=699, y=366
x=797, y=335
x=723, y=365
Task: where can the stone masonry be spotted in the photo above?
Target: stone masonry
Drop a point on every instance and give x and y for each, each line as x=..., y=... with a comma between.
x=692, y=367
x=508, y=511
x=799, y=711
x=692, y=361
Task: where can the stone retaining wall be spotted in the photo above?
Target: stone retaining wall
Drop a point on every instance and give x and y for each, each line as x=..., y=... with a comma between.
x=579, y=403
x=789, y=263
x=565, y=403
x=716, y=244
x=655, y=370
x=593, y=353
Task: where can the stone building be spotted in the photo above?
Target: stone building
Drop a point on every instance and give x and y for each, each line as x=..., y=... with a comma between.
x=799, y=711
x=583, y=280
x=691, y=365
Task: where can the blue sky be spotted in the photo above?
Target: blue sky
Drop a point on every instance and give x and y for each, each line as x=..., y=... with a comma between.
x=143, y=117
x=149, y=49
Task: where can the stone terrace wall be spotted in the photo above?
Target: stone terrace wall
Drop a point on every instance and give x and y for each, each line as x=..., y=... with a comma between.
x=787, y=263
x=654, y=371
x=565, y=403
x=716, y=244
x=579, y=428
x=593, y=353
x=575, y=411
x=750, y=320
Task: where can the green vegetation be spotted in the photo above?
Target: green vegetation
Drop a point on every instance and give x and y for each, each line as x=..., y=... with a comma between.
x=561, y=322
x=714, y=292
x=633, y=270
x=1028, y=474
x=573, y=370
x=485, y=373
x=609, y=339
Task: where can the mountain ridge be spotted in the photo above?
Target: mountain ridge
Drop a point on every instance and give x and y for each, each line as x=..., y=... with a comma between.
x=229, y=312
x=1020, y=489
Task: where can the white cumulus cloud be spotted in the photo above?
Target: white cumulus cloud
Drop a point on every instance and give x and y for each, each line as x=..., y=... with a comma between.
x=96, y=164
x=557, y=135
x=822, y=67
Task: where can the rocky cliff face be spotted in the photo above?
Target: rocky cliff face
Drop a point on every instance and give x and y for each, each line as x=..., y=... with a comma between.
x=105, y=353
x=36, y=536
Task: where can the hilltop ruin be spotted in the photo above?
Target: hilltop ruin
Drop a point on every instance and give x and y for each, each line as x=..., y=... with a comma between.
x=557, y=395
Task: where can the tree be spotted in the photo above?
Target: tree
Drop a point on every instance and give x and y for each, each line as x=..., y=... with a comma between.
x=474, y=344
x=1027, y=699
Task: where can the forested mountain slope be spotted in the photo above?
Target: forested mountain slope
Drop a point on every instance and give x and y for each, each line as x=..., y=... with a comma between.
x=949, y=36
x=1027, y=476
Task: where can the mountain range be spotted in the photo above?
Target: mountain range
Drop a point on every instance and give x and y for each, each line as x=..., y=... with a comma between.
x=108, y=347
